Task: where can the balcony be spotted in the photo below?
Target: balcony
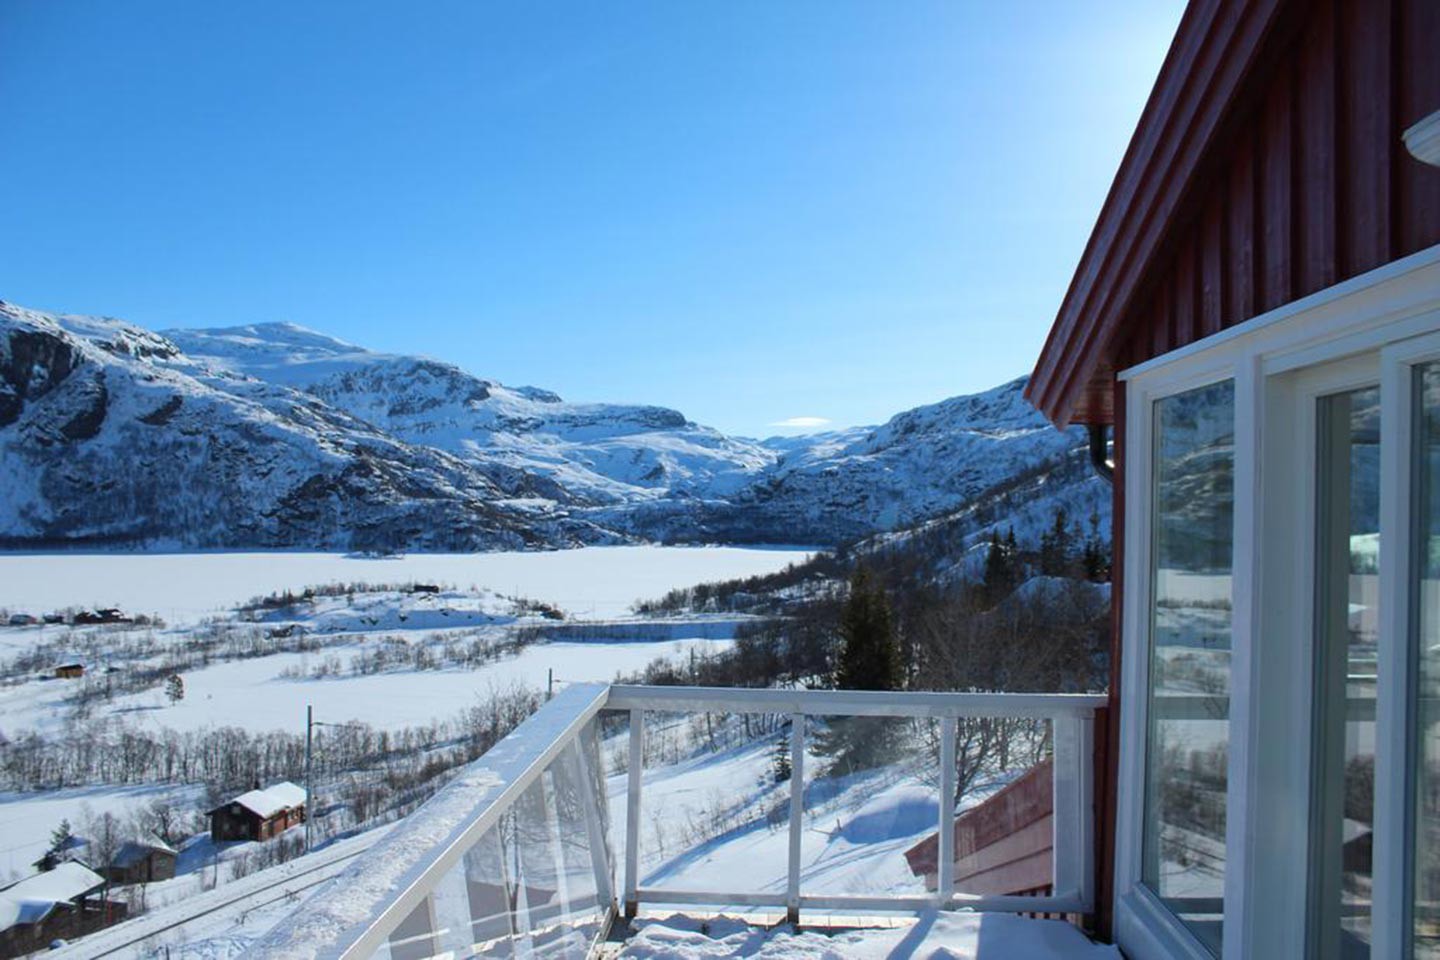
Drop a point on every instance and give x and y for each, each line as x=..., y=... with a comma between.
x=516, y=857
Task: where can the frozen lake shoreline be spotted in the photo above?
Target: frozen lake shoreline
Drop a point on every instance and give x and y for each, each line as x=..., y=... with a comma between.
x=590, y=582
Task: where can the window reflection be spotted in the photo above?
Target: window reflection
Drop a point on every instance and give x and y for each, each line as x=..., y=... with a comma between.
x=1188, y=710
x=1346, y=665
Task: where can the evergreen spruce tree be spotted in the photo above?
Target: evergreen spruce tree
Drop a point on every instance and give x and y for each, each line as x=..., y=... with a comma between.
x=1096, y=557
x=869, y=660
x=780, y=759
x=870, y=655
x=175, y=688
x=59, y=839
x=1055, y=547
x=1001, y=567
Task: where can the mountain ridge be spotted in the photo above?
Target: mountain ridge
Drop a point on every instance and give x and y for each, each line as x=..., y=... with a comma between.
x=276, y=435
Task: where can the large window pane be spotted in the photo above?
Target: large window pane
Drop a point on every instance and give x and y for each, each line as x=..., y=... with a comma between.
x=1427, y=623
x=1188, y=738
x=1346, y=643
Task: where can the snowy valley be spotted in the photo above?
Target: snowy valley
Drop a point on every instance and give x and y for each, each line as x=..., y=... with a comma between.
x=273, y=436
x=297, y=522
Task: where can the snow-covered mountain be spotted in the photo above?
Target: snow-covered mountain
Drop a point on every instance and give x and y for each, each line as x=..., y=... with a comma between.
x=274, y=435
x=109, y=434
x=924, y=463
x=591, y=453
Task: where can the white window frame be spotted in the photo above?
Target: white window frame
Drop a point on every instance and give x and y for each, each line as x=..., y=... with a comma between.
x=1381, y=323
x=1396, y=690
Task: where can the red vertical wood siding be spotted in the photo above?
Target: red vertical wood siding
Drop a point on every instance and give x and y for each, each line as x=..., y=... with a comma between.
x=1310, y=185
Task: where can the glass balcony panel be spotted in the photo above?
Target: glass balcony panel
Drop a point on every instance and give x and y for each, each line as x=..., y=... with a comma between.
x=1188, y=709
x=872, y=794
x=715, y=803
x=1004, y=808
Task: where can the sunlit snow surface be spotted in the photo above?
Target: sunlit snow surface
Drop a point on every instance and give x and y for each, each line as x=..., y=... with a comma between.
x=593, y=582
x=953, y=936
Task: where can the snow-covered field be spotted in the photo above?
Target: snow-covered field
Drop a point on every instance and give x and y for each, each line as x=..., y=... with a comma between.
x=258, y=695
x=595, y=582
x=271, y=692
x=318, y=651
x=26, y=819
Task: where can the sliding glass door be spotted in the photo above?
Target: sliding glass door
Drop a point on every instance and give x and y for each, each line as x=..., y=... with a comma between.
x=1279, y=768
x=1346, y=658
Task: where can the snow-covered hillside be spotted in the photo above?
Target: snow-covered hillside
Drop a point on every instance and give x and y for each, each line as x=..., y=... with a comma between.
x=109, y=434
x=272, y=435
x=595, y=453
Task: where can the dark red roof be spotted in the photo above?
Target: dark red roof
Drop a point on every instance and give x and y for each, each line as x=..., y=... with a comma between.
x=1212, y=54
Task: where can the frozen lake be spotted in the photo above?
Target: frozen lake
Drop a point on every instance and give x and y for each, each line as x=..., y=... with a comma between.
x=594, y=582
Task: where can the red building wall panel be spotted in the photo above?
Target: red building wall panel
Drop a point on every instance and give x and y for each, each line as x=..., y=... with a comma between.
x=1310, y=185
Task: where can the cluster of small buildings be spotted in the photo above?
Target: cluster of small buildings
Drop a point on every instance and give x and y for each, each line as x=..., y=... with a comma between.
x=83, y=618
x=60, y=904
x=69, y=896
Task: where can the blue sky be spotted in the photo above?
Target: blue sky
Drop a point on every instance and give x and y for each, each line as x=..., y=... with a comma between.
x=749, y=211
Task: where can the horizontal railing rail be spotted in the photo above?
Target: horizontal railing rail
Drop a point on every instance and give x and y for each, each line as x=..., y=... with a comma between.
x=399, y=894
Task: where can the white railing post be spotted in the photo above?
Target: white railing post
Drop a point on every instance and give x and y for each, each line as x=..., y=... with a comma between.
x=797, y=814
x=945, y=853
x=632, y=813
x=1073, y=821
x=594, y=828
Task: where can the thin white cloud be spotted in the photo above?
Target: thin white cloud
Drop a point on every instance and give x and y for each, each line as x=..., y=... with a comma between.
x=802, y=422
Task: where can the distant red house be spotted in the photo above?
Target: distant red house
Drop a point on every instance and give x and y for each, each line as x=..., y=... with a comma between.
x=259, y=814
x=1002, y=846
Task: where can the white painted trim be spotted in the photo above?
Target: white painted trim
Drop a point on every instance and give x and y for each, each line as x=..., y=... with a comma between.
x=1243, y=736
x=1135, y=667
x=1423, y=140
x=1148, y=930
x=1396, y=689
x=797, y=814
x=1270, y=358
x=635, y=777
x=945, y=847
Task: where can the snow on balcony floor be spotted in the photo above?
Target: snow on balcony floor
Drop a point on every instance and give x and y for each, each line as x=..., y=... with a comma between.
x=945, y=936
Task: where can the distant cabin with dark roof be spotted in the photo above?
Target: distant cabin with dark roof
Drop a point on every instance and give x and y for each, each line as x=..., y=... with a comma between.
x=259, y=814
x=142, y=862
x=62, y=903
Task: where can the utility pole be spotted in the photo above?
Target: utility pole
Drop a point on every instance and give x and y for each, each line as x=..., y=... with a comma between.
x=309, y=726
x=549, y=683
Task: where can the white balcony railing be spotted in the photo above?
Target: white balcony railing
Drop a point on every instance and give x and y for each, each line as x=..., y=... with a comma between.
x=513, y=858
